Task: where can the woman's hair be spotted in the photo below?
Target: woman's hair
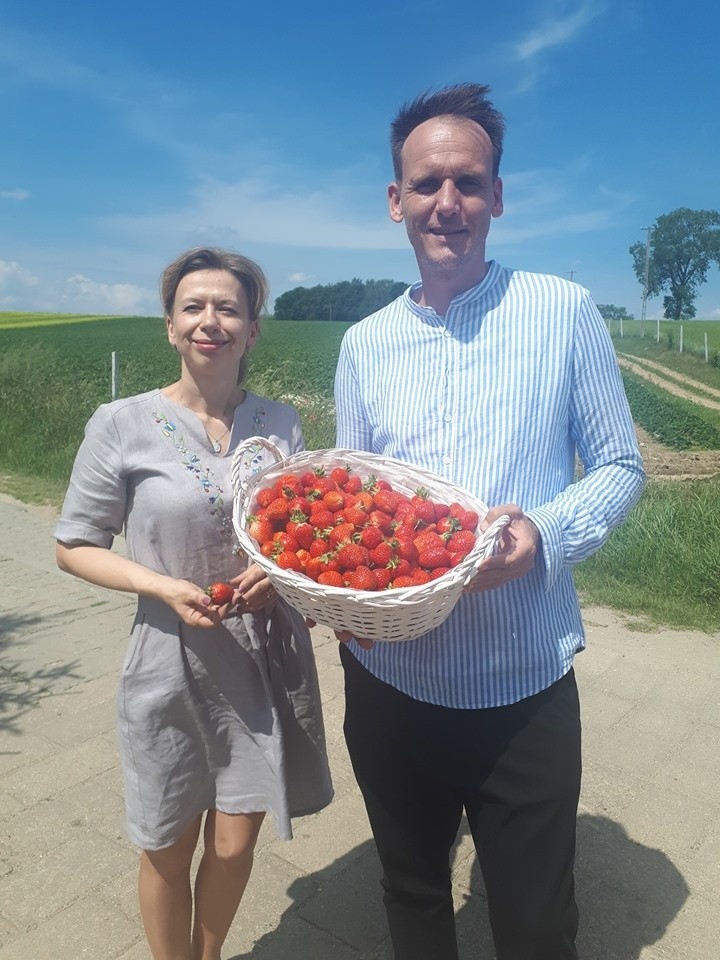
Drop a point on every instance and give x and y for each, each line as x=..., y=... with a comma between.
x=247, y=272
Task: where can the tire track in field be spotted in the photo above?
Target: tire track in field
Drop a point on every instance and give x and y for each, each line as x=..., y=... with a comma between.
x=671, y=386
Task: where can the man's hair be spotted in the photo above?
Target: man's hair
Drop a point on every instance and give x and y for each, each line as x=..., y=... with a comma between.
x=245, y=270
x=464, y=101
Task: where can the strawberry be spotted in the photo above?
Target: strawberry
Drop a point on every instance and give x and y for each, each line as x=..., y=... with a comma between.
x=260, y=529
x=406, y=549
x=341, y=475
x=321, y=517
x=304, y=533
x=383, y=575
x=378, y=518
x=286, y=541
x=371, y=537
x=420, y=577
x=289, y=561
x=362, y=578
x=334, y=500
x=355, y=516
x=301, y=505
x=438, y=572
x=431, y=557
x=318, y=547
x=447, y=524
x=428, y=539
x=220, y=593
x=343, y=532
x=461, y=542
x=278, y=510
x=469, y=520
x=388, y=501
x=352, y=555
x=382, y=554
x=354, y=485
x=264, y=497
x=403, y=581
x=423, y=508
x=331, y=578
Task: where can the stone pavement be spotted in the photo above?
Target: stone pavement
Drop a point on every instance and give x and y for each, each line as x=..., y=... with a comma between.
x=648, y=870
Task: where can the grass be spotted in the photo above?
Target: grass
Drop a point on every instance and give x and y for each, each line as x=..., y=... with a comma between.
x=17, y=320
x=664, y=563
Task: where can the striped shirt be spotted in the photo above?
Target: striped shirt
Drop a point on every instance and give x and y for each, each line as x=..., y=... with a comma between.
x=498, y=396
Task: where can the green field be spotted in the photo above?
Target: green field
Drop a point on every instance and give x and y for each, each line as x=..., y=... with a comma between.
x=47, y=319
x=663, y=563
x=638, y=337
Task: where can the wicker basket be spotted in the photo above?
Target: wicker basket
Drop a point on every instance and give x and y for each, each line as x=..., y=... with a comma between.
x=396, y=614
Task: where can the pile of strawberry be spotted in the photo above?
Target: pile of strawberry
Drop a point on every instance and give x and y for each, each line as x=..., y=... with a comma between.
x=345, y=531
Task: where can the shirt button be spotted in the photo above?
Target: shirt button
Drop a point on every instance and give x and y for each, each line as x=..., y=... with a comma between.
x=446, y=459
x=447, y=418
x=447, y=333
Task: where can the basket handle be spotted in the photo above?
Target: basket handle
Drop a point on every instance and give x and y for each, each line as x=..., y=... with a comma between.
x=491, y=534
x=238, y=483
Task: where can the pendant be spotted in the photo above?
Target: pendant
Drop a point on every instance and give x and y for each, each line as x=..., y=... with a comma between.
x=217, y=446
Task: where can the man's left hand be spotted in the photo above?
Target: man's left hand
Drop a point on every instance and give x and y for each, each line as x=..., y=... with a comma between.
x=515, y=556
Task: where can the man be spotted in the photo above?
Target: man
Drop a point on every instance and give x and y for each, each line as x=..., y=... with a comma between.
x=495, y=379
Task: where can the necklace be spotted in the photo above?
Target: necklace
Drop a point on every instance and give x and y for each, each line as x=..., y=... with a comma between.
x=216, y=442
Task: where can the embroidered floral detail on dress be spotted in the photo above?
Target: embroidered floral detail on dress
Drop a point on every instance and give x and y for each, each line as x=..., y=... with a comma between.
x=205, y=477
x=253, y=460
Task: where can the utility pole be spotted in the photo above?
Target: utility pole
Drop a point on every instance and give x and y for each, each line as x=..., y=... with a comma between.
x=571, y=274
x=645, y=285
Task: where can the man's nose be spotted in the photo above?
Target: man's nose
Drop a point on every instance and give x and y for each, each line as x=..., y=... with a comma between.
x=448, y=197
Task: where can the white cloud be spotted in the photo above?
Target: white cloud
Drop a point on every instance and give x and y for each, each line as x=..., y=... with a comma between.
x=14, y=194
x=300, y=277
x=12, y=276
x=83, y=295
x=556, y=31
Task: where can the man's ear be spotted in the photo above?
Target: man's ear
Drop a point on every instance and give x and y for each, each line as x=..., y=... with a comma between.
x=395, y=203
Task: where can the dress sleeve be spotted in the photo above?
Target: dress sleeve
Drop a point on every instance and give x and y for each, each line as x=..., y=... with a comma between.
x=96, y=499
x=579, y=520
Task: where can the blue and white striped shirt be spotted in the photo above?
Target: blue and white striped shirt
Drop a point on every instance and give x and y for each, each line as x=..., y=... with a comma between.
x=498, y=396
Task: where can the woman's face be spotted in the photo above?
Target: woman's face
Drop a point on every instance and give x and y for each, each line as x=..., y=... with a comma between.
x=210, y=323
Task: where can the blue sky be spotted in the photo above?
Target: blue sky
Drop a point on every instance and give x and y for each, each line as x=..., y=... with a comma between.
x=136, y=130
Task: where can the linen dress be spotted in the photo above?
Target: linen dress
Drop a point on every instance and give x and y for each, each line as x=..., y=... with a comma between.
x=226, y=718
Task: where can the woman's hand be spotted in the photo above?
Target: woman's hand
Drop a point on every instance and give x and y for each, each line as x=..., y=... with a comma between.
x=253, y=590
x=193, y=605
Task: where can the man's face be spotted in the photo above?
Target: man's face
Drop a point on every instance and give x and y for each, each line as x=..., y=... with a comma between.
x=447, y=197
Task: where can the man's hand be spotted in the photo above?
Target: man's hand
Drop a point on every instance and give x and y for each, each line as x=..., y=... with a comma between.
x=518, y=547
x=344, y=636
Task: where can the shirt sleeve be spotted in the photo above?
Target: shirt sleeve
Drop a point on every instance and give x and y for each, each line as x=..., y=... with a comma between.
x=96, y=499
x=354, y=431
x=579, y=520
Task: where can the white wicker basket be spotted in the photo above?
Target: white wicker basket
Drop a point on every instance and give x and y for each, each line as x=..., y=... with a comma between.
x=396, y=614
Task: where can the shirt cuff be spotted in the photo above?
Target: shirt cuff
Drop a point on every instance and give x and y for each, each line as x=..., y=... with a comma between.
x=551, y=539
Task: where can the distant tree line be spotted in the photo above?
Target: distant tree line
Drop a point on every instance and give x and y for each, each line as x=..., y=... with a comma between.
x=347, y=301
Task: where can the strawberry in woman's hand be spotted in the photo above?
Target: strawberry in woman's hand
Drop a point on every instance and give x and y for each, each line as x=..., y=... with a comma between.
x=220, y=593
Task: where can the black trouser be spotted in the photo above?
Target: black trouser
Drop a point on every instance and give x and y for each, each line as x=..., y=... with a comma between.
x=514, y=770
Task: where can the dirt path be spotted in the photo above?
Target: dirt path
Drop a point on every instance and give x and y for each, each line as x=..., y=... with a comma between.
x=660, y=461
x=670, y=381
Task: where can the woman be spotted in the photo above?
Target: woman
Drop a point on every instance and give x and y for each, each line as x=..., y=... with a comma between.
x=218, y=706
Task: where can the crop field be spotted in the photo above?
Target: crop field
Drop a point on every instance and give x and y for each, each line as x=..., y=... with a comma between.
x=55, y=371
x=52, y=377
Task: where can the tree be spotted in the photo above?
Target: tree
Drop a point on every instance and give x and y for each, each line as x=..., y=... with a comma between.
x=349, y=300
x=682, y=247
x=610, y=313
